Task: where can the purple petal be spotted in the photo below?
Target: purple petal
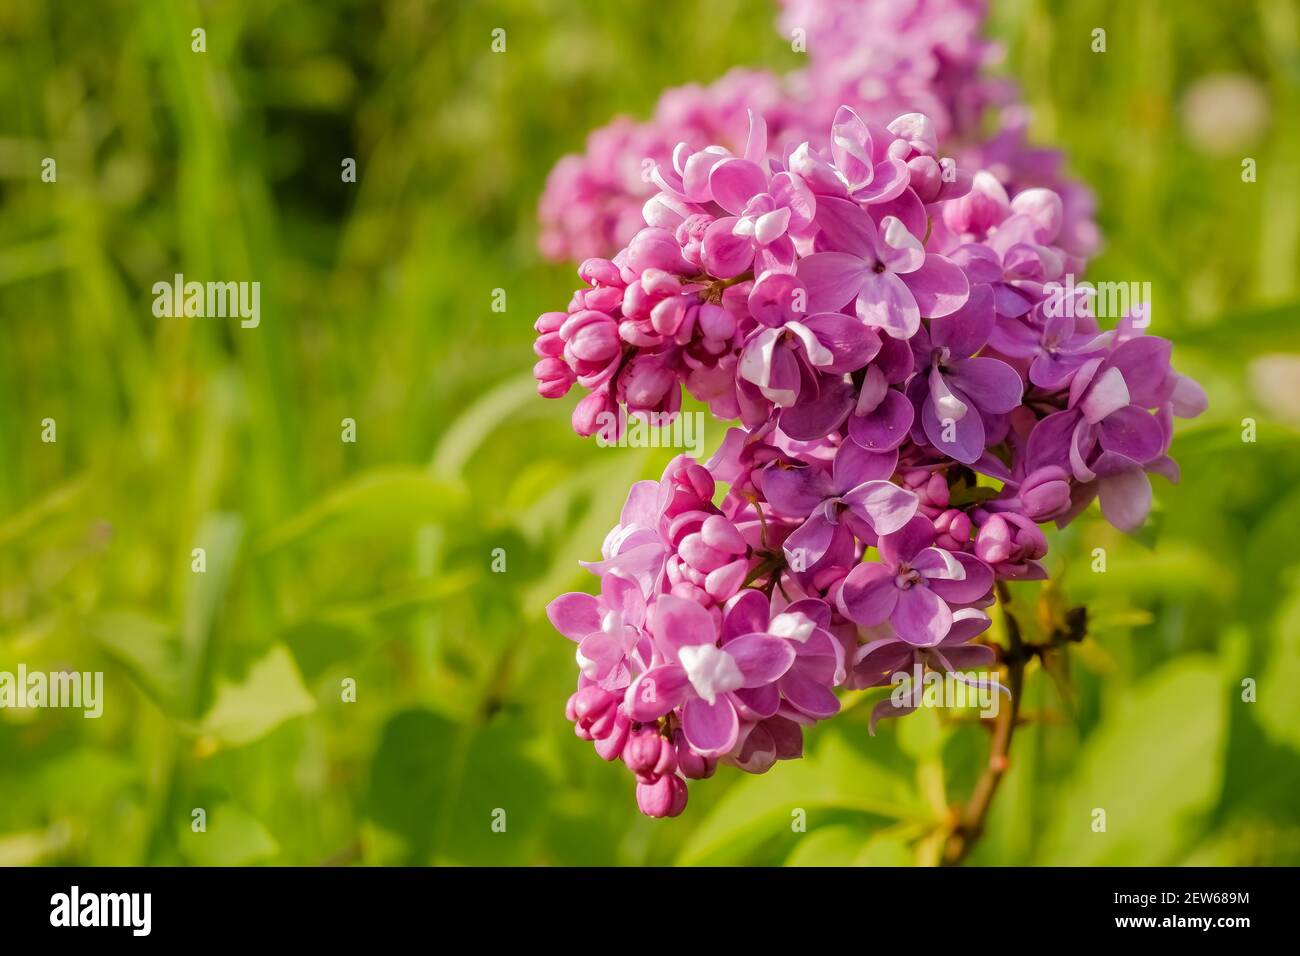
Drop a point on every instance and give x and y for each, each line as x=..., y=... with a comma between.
x=710, y=729
x=1144, y=363
x=883, y=505
x=967, y=433
x=886, y=302
x=869, y=594
x=921, y=617
x=853, y=465
x=791, y=192
x=1107, y=393
x=992, y=385
x=794, y=490
x=772, y=298
x=850, y=343
x=761, y=658
x=851, y=147
x=975, y=584
x=723, y=253
x=1132, y=432
x=889, y=179
x=881, y=658
x=680, y=623
x=816, y=416
x=832, y=278
x=656, y=692
x=1049, y=442
x=907, y=207
x=969, y=657
x=747, y=613
x=938, y=564
x=809, y=696
x=847, y=228
x=887, y=710
x=967, y=623
x=734, y=182
x=938, y=286
x=885, y=428
x=1126, y=499
x=756, y=703
x=899, y=250
x=808, y=543
x=901, y=546
x=967, y=330
x=599, y=654
x=575, y=615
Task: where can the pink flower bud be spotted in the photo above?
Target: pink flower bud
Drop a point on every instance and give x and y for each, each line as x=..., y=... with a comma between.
x=610, y=747
x=993, y=544
x=716, y=322
x=599, y=272
x=690, y=763
x=654, y=248
x=1045, y=493
x=1044, y=207
x=984, y=207
x=665, y=797
x=594, y=341
x=644, y=382
x=649, y=755
x=926, y=178
x=554, y=378
x=550, y=322
x=589, y=414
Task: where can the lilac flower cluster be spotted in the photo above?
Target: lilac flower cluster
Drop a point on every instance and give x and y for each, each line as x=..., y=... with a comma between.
x=883, y=58
x=914, y=401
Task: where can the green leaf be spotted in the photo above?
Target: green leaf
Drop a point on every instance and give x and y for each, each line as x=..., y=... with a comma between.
x=835, y=845
x=234, y=837
x=922, y=734
x=371, y=504
x=1154, y=765
x=152, y=652
x=760, y=807
x=442, y=787
x=886, y=848
x=270, y=693
x=1277, y=705
x=477, y=422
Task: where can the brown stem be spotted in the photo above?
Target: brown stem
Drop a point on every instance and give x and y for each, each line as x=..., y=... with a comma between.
x=970, y=821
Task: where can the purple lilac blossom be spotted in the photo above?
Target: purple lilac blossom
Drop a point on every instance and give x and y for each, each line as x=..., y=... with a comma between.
x=912, y=407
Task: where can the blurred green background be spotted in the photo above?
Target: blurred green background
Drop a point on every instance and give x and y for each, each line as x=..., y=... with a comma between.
x=372, y=560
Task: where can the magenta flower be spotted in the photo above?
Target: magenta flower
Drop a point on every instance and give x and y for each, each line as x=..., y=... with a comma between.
x=608, y=629
x=879, y=661
x=761, y=281
x=882, y=416
x=819, y=658
x=779, y=358
x=1106, y=432
x=702, y=677
x=914, y=585
x=1012, y=544
x=885, y=270
x=1055, y=341
x=955, y=394
x=857, y=492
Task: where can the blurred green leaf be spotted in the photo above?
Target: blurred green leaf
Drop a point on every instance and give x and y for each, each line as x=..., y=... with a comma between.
x=1154, y=766
x=233, y=837
x=270, y=693
x=371, y=504
x=757, y=808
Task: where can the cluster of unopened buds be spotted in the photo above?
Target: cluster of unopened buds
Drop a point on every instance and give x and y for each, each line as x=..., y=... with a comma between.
x=915, y=398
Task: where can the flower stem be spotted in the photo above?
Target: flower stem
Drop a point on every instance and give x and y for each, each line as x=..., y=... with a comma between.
x=971, y=818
